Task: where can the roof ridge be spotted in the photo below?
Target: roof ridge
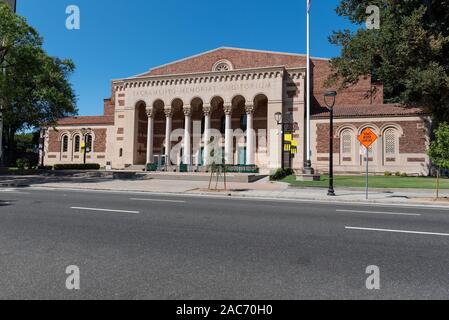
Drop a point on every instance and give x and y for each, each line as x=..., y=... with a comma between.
x=222, y=48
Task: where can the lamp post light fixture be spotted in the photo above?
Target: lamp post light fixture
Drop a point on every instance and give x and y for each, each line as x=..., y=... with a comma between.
x=283, y=120
x=329, y=99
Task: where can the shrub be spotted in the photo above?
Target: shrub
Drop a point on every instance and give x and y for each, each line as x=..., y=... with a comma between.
x=77, y=166
x=281, y=174
x=398, y=174
x=388, y=174
x=45, y=167
x=23, y=163
x=404, y=175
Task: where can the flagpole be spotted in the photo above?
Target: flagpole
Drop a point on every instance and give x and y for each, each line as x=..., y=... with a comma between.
x=308, y=164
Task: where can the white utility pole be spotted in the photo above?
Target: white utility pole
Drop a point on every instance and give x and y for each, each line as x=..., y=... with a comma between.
x=308, y=143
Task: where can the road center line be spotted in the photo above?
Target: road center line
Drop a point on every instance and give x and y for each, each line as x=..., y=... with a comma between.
x=381, y=212
x=156, y=200
x=399, y=231
x=104, y=210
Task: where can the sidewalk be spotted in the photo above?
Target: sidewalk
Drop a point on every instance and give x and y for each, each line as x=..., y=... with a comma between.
x=262, y=189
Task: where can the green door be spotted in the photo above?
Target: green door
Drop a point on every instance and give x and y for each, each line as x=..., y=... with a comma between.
x=201, y=160
x=242, y=156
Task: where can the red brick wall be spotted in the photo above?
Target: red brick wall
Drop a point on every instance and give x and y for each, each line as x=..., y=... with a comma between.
x=109, y=107
x=53, y=144
x=100, y=140
x=323, y=138
x=242, y=59
x=414, y=139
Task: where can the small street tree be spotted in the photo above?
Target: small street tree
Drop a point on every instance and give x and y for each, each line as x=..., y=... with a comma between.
x=439, y=151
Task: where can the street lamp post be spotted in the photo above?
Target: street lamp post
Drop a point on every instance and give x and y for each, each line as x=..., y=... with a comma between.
x=85, y=133
x=329, y=99
x=283, y=121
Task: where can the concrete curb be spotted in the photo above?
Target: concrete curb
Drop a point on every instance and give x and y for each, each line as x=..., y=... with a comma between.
x=387, y=202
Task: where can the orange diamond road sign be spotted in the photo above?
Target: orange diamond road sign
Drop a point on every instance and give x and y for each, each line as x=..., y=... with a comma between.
x=368, y=137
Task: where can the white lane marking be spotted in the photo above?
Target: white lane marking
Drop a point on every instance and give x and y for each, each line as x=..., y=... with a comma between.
x=399, y=231
x=156, y=200
x=381, y=212
x=104, y=210
x=13, y=191
x=250, y=198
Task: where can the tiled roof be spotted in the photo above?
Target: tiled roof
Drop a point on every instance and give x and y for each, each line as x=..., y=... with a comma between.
x=372, y=110
x=88, y=120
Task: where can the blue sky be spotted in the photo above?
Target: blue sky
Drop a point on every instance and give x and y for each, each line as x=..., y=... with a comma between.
x=123, y=38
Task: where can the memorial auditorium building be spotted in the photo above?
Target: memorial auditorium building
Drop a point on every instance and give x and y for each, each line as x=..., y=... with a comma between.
x=230, y=97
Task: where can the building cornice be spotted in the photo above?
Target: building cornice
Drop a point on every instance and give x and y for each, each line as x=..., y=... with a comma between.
x=202, y=77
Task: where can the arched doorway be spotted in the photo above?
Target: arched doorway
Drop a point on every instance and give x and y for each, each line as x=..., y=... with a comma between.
x=141, y=132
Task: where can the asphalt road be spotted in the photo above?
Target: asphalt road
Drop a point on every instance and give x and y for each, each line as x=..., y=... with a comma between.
x=143, y=246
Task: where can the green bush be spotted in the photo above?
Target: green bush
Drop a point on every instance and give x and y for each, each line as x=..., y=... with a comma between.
x=281, y=174
x=398, y=174
x=151, y=167
x=23, y=163
x=45, y=167
x=77, y=166
x=404, y=175
x=388, y=174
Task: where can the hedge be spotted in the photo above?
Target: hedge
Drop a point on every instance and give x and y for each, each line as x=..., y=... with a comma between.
x=87, y=166
x=281, y=174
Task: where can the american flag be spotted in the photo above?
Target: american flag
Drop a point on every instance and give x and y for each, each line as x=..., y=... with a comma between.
x=308, y=6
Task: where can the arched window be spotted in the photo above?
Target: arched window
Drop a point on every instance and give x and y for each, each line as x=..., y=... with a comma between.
x=346, y=142
x=203, y=125
x=65, y=144
x=77, y=144
x=223, y=125
x=243, y=122
x=89, y=143
x=390, y=147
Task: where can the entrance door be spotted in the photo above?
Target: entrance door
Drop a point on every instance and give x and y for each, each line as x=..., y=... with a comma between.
x=242, y=156
x=201, y=159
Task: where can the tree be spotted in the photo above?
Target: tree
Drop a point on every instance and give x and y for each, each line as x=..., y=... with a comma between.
x=409, y=54
x=35, y=89
x=439, y=150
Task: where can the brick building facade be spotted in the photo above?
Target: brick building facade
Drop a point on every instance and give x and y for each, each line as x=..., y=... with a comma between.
x=229, y=97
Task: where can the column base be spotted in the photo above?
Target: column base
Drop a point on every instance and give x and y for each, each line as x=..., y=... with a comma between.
x=308, y=168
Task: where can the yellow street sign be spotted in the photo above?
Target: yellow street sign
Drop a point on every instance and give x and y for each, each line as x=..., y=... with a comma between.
x=288, y=138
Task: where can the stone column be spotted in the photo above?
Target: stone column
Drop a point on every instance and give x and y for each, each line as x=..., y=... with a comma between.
x=168, y=129
x=229, y=143
x=207, y=110
x=250, y=136
x=150, y=135
x=187, y=135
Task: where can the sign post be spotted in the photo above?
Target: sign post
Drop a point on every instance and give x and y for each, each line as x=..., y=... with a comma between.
x=367, y=138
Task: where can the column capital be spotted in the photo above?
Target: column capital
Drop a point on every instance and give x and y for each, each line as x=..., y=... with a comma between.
x=150, y=112
x=168, y=112
x=228, y=110
x=250, y=109
x=207, y=110
x=187, y=110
